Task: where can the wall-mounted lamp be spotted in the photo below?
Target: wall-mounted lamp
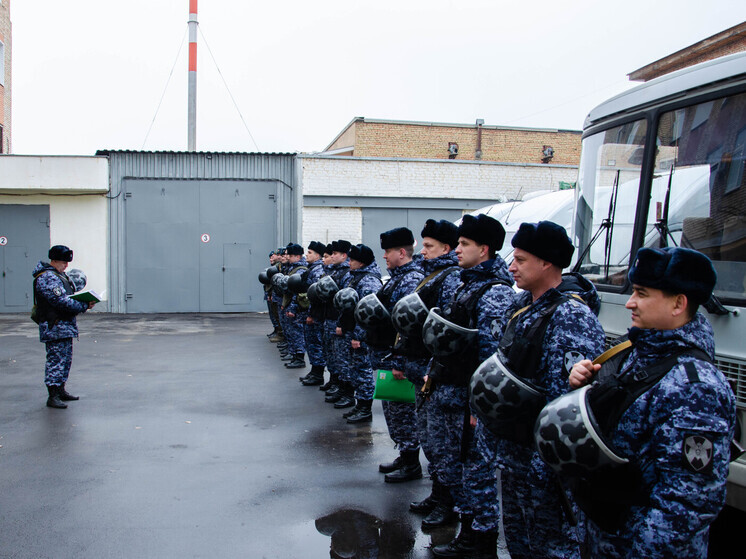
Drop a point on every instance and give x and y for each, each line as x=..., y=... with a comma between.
x=547, y=153
x=452, y=150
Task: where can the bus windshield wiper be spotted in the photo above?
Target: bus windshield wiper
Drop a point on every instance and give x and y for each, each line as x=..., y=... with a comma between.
x=661, y=223
x=607, y=225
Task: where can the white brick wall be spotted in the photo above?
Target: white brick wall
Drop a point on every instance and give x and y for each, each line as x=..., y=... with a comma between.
x=329, y=224
x=427, y=179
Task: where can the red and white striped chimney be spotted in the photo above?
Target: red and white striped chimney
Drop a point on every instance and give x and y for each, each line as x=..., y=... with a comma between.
x=192, y=98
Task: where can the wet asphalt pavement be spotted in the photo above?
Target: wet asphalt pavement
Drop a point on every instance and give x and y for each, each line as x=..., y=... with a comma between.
x=190, y=439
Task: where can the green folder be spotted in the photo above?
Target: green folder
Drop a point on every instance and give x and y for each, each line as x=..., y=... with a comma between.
x=388, y=388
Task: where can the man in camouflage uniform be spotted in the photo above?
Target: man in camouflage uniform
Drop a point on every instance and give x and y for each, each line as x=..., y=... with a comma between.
x=442, y=276
x=56, y=311
x=480, y=303
x=276, y=300
x=314, y=324
x=677, y=434
x=295, y=307
x=538, y=515
x=365, y=278
x=333, y=351
x=405, y=275
x=267, y=298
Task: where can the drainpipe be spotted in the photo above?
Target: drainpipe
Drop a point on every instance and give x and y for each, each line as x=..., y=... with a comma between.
x=478, y=153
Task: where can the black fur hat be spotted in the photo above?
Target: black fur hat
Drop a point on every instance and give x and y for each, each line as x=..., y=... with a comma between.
x=443, y=231
x=484, y=230
x=328, y=249
x=317, y=247
x=61, y=253
x=398, y=237
x=295, y=250
x=545, y=240
x=341, y=246
x=362, y=253
x=675, y=270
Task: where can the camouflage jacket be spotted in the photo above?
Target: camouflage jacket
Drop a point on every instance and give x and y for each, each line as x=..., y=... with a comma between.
x=678, y=434
x=56, y=292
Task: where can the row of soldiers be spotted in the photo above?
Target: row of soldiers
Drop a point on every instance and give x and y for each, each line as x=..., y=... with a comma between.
x=494, y=368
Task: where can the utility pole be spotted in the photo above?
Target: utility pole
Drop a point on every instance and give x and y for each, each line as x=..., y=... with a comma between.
x=192, y=98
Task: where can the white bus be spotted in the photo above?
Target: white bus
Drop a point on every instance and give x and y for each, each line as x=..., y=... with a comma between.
x=663, y=165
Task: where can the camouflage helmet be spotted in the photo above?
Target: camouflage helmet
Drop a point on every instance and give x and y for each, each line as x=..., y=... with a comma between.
x=569, y=438
x=408, y=315
x=370, y=312
x=312, y=295
x=326, y=287
x=296, y=283
x=283, y=283
x=264, y=278
x=77, y=278
x=443, y=337
x=277, y=279
x=345, y=300
x=502, y=400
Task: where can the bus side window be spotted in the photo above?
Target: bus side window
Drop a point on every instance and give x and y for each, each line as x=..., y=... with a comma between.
x=698, y=199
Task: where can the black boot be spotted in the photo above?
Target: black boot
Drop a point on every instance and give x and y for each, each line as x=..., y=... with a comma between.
x=410, y=469
x=392, y=466
x=65, y=396
x=462, y=545
x=347, y=396
x=485, y=544
x=273, y=332
x=298, y=362
x=332, y=381
x=352, y=410
x=287, y=356
x=334, y=394
x=442, y=513
x=54, y=400
x=363, y=413
x=315, y=377
x=426, y=505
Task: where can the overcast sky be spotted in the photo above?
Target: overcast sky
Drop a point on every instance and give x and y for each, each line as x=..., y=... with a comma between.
x=89, y=74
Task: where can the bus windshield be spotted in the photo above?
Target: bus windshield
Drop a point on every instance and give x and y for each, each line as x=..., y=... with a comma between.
x=697, y=192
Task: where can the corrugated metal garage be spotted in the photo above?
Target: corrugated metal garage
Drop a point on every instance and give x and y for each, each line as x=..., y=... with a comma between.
x=190, y=231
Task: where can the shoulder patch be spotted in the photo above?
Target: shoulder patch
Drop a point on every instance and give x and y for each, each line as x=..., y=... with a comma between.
x=57, y=291
x=496, y=328
x=697, y=453
x=572, y=357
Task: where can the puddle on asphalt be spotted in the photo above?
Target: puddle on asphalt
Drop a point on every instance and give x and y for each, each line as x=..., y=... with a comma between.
x=355, y=534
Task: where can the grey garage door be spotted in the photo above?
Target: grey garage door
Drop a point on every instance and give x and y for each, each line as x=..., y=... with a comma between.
x=378, y=220
x=196, y=246
x=24, y=240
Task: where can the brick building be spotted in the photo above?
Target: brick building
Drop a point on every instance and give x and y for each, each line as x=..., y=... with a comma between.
x=364, y=137
x=5, y=36
x=726, y=42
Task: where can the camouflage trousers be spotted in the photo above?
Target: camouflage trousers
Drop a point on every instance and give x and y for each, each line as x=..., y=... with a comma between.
x=294, y=332
x=401, y=421
x=533, y=518
x=314, y=344
x=362, y=373
x=415, y=369
x=481, y=481
x=272, y=313
x=59, y=360
x=445, y=410
x=343, y=355
x=329, y=337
